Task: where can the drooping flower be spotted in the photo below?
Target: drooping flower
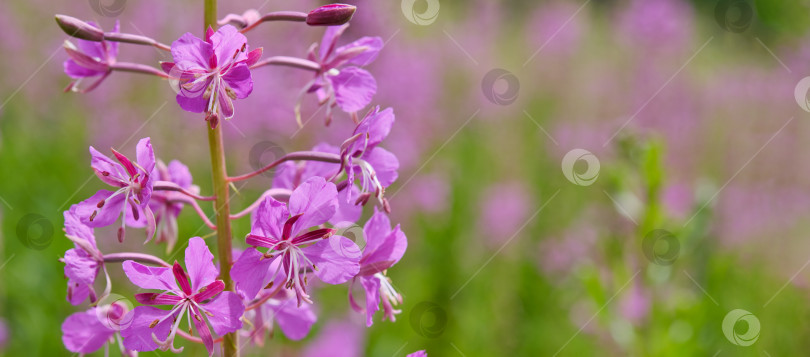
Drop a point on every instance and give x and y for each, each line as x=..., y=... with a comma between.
x=133, y=181
x=278, y=306
x=194, y=290
x=89, y=59
x=290, y=175
x=167, y=204
x=349, y=87
x=88, y=331
x=83, y=262
x=209, y=74
x=376, y=166
x=384, y=248
x=285, y=231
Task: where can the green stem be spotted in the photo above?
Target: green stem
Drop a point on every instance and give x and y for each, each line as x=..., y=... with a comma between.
x=221, y=204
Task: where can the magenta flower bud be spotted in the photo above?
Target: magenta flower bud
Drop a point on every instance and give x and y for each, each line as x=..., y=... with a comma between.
x=79, y=29
x=331, y=15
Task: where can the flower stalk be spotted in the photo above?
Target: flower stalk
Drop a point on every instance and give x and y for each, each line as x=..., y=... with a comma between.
x=221, y=191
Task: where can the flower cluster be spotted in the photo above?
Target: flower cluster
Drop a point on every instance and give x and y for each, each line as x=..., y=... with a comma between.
x=295, y=224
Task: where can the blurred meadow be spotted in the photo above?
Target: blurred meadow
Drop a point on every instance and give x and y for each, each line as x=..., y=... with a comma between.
x=585, y=177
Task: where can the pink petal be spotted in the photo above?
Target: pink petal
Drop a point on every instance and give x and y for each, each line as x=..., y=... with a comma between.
x=239, y=80
x=251, y=273
x=83, y=332
x=227, y=309
x=146, y=277
x=315, y=200
x=373, y=45
x=138, y=335
x=336, y=258
x=191, y=52
x=354, y=88
x=372, y=287
x=199, y=263
x=385, y=165
x=106, y=215
x=294, y=321
x=269, y=219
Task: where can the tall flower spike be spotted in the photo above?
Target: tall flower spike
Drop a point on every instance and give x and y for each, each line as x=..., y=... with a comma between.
x=285, y=232
x=133, y=182
x=90, y=58
x=209, y=74
x=193, y=290
x=349, y=87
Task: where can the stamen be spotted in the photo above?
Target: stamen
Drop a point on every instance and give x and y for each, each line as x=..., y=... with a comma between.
x=154, y=323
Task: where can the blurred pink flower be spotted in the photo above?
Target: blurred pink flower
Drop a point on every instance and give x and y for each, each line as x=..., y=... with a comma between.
x=337, y=339
x=661, y=26
x=562, y=255
x=556, y=28
x=504, y=208
x=635, y=304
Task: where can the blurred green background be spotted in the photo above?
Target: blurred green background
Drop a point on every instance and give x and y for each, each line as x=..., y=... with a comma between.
x=694, y=122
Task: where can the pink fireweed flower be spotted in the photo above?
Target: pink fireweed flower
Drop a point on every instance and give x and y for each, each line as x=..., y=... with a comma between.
x=197, y=293
x=421, y=353
x=384, y=248
x=83, y=262
x=285, y=231
x=209, y=74
x=279, y=306
x=376, y=166
x=88, y=331
x=349, y=87
x=131, y=199
x=167, y=204
x=89, y=59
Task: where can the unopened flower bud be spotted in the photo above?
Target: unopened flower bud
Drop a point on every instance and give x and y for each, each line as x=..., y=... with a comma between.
x=331, y=15
x=79, y=29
